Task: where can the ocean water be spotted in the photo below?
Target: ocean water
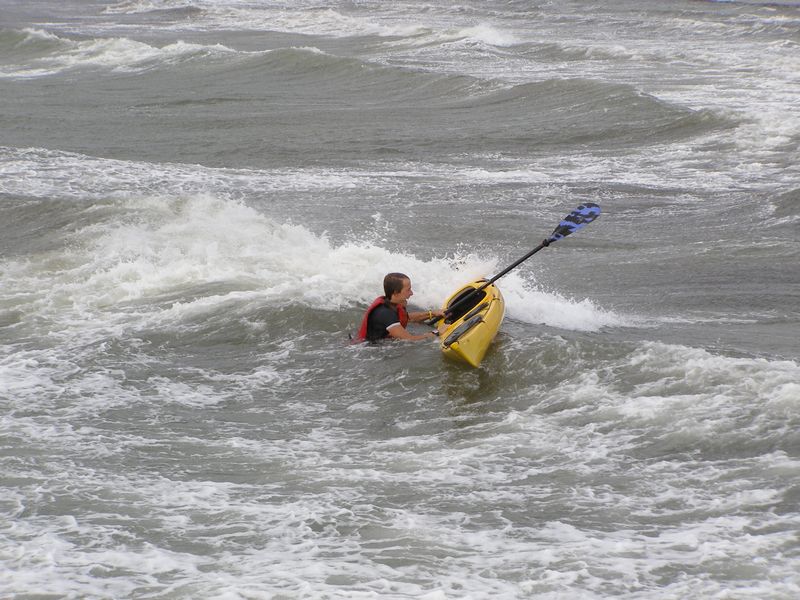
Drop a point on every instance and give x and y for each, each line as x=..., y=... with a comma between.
x=198, y=199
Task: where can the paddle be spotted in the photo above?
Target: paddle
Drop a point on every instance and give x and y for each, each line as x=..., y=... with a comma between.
x=578, y=218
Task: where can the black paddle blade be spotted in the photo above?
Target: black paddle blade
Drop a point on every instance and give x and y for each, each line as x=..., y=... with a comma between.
x=583, y=215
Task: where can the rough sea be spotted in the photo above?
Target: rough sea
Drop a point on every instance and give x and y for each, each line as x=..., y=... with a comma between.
x=199, y=198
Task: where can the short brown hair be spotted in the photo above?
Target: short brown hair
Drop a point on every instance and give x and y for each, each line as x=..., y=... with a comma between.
x=392, y=284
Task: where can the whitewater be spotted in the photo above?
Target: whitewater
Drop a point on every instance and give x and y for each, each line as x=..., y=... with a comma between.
x=198, y=200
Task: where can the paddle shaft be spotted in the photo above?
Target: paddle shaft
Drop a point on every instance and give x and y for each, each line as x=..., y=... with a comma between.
x=450, y=310
x=583, y=215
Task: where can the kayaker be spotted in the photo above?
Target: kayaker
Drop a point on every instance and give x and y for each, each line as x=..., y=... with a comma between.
x=387, y=316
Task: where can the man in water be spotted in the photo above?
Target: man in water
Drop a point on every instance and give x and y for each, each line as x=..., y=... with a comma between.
x=387, y=316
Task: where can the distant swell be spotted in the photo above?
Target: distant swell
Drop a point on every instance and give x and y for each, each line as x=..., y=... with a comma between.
x=548, y=112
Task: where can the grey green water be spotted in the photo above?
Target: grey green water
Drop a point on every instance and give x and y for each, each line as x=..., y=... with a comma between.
x=198, y=198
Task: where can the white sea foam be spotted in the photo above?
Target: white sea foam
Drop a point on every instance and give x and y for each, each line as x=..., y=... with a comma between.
x=302, y=18
x=177, y=244
x=111, y=54
x=579, y=456
x=315, y=19
x=76, y=176
x=482, y=34
x=535, y=306
x=687, y=380
x=70, y=175
x=161, y=244
x=362, y=546
x=132, y=7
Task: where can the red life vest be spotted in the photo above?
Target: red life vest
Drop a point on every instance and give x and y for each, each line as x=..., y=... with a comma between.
x=362, y=331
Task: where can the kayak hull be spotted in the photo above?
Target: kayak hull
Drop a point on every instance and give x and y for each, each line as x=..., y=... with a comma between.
x=474, y=323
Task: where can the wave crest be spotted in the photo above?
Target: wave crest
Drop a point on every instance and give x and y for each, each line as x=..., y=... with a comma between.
x=36, y=53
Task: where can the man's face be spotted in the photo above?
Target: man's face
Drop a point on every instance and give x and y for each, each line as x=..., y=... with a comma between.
x=403, y=295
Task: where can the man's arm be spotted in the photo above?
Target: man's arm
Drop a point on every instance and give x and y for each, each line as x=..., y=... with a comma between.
x=399, y=332
x=418, y=317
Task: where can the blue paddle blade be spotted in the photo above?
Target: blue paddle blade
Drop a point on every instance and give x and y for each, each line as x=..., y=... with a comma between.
x=583, y=215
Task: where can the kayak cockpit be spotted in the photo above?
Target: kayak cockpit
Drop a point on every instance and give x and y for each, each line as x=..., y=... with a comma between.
x=463, y=304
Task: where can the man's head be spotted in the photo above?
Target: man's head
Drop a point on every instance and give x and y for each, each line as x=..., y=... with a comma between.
x=397, y=288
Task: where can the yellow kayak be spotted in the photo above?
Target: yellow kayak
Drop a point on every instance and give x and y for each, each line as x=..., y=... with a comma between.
x=473, y=324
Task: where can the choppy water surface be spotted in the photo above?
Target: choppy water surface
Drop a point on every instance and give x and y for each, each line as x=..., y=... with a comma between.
x=198, y=199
